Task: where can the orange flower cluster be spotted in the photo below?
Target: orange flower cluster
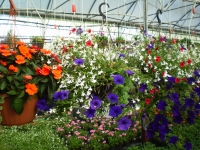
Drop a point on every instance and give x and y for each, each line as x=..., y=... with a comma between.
x=25, y=51
x=31, y=89
x=13, y=68
x=46, y=70
x=20, y=59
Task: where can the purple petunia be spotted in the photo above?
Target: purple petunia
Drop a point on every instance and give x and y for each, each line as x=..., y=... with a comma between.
x=118, y=79
x=191, y=117
x=188, y=146
x=121, y=55
x=79, y=61
x=115, y=111
x=173, y=140
x=161, y=105
x=113, y=97
x=197, y=90
x=178, y=119
x=95, y=103
x=143, y=87
x=175, y=98
x=171, y=79
x=90, y=113
x=42, y=105
x=79, y=31
x=129, y=72
x=61, y=95
x=196, y=73
x=124, y=123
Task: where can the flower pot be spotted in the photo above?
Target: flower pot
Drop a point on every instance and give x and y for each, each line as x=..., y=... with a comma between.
x=10, y=117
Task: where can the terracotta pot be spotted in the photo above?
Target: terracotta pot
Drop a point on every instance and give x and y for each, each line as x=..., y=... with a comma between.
x=10, y=117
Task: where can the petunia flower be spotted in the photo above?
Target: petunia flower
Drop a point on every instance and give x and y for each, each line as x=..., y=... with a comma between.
x=118, y=79
x=113, y=97
x=173, y=139
x=161, y=105
x=129, y=72
x=188, y=146
x=115, y=111
x=90, y=113
x=124, y=123
x=79, y=61
x=95, y=103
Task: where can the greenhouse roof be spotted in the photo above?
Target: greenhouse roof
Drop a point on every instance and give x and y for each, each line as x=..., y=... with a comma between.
x=176, y=14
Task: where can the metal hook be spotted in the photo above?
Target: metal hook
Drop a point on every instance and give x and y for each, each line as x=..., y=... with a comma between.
x=100, y=12
x=157, y=15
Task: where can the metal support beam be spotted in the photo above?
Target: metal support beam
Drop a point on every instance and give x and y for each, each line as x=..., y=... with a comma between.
x=165, y=8
x=128, y=10
x=48, y=4
x=145, y=15
x=2, y=3
x=133, y=10
x=61, y=4
x=91, y=8
x=189, y=11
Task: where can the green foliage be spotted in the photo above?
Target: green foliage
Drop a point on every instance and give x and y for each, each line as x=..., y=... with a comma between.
x=120, y=39
x=37, y=39
x=39, y=135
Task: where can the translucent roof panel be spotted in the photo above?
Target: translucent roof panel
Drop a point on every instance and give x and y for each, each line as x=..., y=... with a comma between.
x=176, y=14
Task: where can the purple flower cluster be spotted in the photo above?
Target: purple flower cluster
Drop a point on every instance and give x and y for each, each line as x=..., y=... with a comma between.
x=118, y=79
x=61, y=95
x=94, y=104
x=159, y=124
x=43, y=106
x=113, y=97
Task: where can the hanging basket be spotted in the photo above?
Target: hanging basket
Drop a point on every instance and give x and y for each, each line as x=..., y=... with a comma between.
x=10, y=117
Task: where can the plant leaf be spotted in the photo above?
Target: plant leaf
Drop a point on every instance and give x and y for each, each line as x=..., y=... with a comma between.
x=18, y=106
x=9, y=78
x=12, y=92
x=3, y=69
x=22, y=93
x=3, y=84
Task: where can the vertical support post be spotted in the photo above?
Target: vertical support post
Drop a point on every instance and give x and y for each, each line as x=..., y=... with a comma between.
x=145, y=15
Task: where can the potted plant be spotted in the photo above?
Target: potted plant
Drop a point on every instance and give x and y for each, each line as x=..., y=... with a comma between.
x=38, y=41
x=10, y=39
x=120, y=40
x=101, y=40
x=26, y=75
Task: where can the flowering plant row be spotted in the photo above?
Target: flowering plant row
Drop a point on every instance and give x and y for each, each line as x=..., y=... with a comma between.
x=97, y=133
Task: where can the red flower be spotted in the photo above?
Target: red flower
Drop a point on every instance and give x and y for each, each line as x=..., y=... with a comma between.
x=89, y=43
x=149, y=65
x=174, y=41
x=147, y=101
x=38, y=71
x=146, y=60
x=158, y=58
x=189, y=61
x=64, y=49
x=89, y=31
x=182, y=64
x=149, y=52
x=184, y=79
x=177, y=80
x=156, y=48
x=73, y=30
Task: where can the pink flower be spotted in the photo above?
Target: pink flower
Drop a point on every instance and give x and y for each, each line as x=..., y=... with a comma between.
x=104, y=142
x=95, y=125
x=60, y=129
x=92, y=131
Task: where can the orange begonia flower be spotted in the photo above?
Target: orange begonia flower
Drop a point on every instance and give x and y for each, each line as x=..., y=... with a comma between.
x=6, y=52
x=28, y=77
x=20, y=59
x=31, y=89
x=45, y=70
x=25, y=51
x=45, y=52
x=3, y=62
x=57, y=73
x=13, y=68
x=3, y=46
x=38, y=71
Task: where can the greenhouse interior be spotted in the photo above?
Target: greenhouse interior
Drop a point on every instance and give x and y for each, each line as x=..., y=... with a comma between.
x=99, y=74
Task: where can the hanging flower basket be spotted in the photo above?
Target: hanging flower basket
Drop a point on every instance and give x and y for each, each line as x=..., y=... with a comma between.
x=10, y=117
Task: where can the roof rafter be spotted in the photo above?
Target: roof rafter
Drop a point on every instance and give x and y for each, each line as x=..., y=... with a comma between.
x=91, y=8
x=61, y=4
x=2, y=3
x=128, y=9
